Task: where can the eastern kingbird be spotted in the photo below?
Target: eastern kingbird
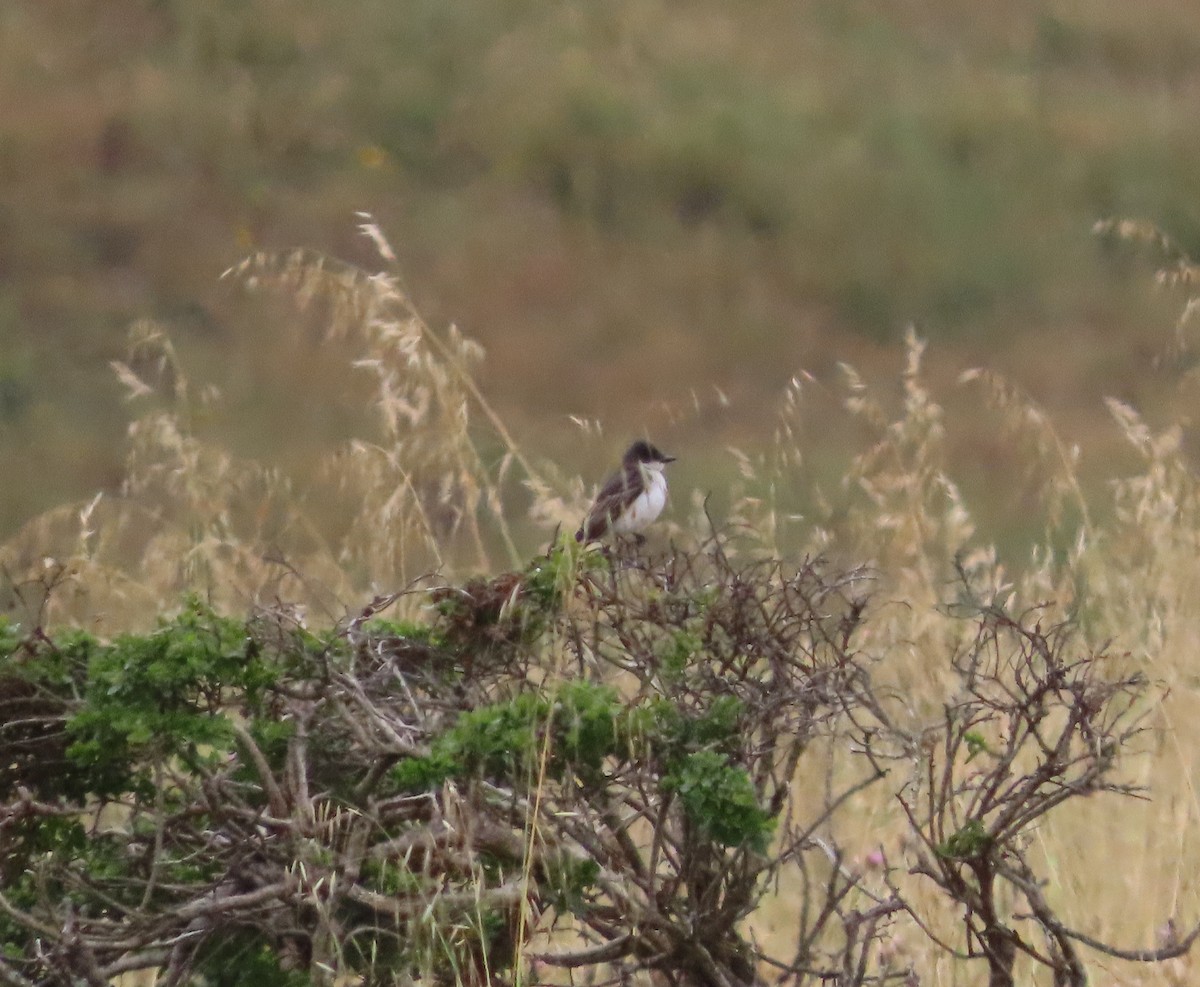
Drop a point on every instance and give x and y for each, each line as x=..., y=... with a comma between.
x=631, y=498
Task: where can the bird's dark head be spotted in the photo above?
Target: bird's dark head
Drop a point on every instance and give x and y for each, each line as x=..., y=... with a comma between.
x=643, y=452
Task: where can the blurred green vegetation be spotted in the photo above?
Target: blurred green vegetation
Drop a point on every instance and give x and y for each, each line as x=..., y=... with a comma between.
x=623, y=201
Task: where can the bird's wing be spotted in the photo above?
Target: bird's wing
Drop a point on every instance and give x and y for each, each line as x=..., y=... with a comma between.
x=618, y=492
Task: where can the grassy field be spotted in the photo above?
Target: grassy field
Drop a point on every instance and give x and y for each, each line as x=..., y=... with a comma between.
x=628, y=204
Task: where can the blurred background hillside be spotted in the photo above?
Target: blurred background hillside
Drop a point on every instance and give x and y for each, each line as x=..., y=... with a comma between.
x=650, y=213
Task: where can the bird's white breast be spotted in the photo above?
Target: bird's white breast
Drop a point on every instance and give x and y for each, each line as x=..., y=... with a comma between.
x=647, y=506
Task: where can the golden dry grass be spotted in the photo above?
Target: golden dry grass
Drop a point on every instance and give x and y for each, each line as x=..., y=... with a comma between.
x=437, y=486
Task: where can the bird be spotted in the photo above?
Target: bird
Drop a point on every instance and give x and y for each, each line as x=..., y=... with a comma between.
x=631, y=498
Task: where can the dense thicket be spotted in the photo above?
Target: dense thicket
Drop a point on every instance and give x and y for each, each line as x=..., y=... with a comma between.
x=604, y=763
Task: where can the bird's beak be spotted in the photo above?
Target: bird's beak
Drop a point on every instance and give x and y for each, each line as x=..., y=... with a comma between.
x=668, y=459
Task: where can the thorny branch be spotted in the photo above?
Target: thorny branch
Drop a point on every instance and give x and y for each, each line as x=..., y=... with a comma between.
x=1033, y=726
x=361, y=804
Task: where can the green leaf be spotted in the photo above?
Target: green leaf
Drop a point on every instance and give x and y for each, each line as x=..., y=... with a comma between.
x=720, y=799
